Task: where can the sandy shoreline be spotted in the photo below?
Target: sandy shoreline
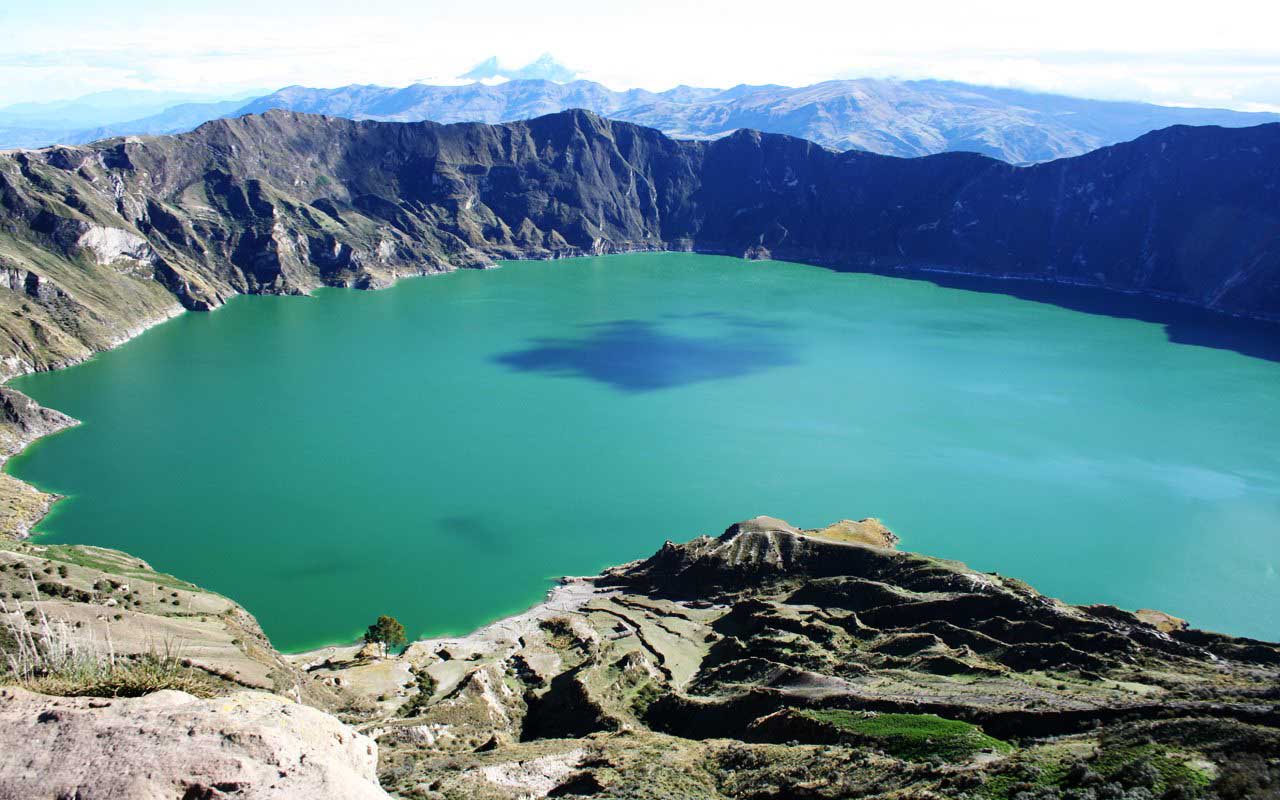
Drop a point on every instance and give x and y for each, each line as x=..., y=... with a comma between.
x=568, y=595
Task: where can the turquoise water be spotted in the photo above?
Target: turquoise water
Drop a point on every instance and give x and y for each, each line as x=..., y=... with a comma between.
x=443, y=449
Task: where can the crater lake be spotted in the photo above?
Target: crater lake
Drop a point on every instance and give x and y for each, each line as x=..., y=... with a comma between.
x=442, y=450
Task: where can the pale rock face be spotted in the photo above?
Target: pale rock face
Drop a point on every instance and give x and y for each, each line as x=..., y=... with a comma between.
x=536, y=777
x=170, y=744
x=386, y=250
x=110, y=245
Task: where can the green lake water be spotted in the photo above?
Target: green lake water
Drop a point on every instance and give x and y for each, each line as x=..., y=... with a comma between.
x=443, y=449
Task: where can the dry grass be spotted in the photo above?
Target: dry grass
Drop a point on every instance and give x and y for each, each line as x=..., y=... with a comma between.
x=21, y=504
x=868, y=531
x=53, y=657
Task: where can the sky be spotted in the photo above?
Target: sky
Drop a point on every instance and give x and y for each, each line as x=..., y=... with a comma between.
x=1220, y=54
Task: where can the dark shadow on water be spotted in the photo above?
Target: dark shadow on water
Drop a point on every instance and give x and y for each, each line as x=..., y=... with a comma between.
x=1183, y=324
x=636, y=356
x=471, y=529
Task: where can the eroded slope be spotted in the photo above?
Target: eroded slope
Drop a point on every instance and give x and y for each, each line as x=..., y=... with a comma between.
x=776, y=663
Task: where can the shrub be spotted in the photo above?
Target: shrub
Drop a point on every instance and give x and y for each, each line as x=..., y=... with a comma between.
x=914, y=737
x=387, y=632
x=426, y=686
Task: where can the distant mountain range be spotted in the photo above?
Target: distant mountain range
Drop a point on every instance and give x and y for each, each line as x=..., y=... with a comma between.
x=106, y=108
x=900, y=118
x=175, y=119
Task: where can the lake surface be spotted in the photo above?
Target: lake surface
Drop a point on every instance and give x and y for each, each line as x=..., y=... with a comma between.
x=443, y=449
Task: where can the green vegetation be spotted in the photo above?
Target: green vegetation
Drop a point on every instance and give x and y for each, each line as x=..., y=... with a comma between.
x=99, y=558
x=644, y=697
x=914, y=737
x=426, y=686
x=387, y=632
x=1130, y=770
x=560, y=634
x=1164, y=767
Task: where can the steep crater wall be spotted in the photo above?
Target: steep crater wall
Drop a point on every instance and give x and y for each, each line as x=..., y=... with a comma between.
x=97, y=242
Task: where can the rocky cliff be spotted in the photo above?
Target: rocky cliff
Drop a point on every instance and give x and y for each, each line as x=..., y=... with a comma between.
x=97, y=242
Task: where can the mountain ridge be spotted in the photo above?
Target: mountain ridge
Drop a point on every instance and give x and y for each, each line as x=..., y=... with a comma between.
x=894, y=117
x=98, y=241
x=906, y=118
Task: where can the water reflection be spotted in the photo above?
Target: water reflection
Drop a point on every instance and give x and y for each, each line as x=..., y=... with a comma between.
x=1183, y=324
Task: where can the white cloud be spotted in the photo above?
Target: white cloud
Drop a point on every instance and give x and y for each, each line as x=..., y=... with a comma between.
x=1173, y=52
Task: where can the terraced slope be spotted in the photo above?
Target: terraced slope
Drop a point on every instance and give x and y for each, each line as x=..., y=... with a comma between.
x=110, y=600
x=776, y=663
x=768, y=662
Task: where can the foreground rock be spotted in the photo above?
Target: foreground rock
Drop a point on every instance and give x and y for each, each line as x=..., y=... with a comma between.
x=172, y=745
x=121, y=630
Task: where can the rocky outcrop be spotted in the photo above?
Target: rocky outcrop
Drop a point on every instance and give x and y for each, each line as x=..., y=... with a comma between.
x=113, y=245
x=172, y=745
x=773, y=662
x=100, y=241
x=810, y=616
x=22, y=421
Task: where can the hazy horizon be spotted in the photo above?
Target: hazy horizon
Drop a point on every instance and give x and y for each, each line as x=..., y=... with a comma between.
x=70, y=48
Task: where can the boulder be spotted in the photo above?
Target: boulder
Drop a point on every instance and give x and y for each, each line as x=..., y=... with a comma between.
x=170, y=744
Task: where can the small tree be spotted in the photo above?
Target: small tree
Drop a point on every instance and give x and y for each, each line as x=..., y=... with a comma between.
x=387, y=632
